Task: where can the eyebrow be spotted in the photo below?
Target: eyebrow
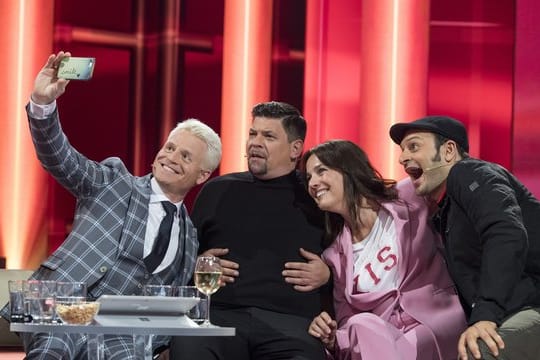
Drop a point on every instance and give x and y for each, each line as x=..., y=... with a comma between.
x=264, y=131
x=412, y=138
x=317, y=166
x=186, y=151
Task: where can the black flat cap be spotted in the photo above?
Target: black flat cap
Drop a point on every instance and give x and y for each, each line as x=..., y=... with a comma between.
x=446, y=126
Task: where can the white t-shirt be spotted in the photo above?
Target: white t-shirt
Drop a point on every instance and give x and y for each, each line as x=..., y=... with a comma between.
x=376, y=257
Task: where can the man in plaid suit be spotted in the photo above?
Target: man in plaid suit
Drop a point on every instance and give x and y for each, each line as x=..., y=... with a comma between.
x=117, y=215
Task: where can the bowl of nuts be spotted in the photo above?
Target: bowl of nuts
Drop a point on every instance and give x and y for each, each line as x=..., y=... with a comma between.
x=79, y=313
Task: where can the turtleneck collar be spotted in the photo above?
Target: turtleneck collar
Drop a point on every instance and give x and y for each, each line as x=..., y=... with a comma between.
x=290, y=178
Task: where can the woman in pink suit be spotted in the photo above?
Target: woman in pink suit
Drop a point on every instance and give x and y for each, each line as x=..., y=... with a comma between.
x=393, y=297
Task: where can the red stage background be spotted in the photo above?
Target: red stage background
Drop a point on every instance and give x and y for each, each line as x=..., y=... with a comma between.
x=163, y=61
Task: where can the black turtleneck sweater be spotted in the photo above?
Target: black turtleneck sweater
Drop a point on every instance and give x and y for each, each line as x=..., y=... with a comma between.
x=263, y=223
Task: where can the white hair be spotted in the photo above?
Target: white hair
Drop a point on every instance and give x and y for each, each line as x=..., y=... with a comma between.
x=206, y=134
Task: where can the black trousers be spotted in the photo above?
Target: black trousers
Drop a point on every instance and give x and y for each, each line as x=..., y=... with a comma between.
x=260, y=335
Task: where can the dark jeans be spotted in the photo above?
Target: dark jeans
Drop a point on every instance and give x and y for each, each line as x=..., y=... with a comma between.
x=260, y=335
x=521, y=336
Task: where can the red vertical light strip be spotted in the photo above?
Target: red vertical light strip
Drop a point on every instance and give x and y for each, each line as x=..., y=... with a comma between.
x=169, y=67
x=526, y=127
x=332, y=70
x=26, y=38
x=314, y=69
x=138, y=62
x=247, y=44
x=395, y=36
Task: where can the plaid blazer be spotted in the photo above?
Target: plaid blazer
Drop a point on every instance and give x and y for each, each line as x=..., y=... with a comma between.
x=110, y=220
x=105, y=246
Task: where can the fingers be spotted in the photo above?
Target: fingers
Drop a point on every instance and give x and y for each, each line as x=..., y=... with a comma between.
x=294, y=275
x=498, y=339
x=309, y=255
x=50, y=62
x=304, y=288
x=54, y=61
x=229, y=271
x=297, y=273
x=58, y=59
x=484, y=330
x=300, y=279
x=229, y=268
x=462, y=349
x=324, y=327
x=215, y=252
x=492, y=339
x=300, y=284
x=318, y=330
x=319, y=327
x=306, y=276
x=325, y=317
x=297, y=266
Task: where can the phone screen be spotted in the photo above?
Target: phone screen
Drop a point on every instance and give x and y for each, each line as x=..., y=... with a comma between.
x=76, y=68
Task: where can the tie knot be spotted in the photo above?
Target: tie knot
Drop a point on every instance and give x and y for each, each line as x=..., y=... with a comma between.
x=169, y=207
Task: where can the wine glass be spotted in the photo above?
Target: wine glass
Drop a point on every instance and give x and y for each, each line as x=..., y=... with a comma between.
x=207, y=275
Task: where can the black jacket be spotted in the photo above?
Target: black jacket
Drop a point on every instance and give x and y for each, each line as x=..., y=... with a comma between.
x=491, y=227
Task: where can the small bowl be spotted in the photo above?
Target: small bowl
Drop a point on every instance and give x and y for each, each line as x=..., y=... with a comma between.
x=81, y=313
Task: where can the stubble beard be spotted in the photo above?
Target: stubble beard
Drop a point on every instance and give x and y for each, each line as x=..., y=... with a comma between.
x=426, y=188
x=257, y=169
x=421, y=191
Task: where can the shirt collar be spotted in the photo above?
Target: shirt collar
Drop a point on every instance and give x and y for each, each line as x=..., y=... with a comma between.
x=158, y=195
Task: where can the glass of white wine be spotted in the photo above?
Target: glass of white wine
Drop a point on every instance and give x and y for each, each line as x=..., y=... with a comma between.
x=207, y=275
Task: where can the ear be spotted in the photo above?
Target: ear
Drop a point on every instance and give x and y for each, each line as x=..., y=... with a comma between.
x=297, y=146
x=203, y=176
x=451, y=152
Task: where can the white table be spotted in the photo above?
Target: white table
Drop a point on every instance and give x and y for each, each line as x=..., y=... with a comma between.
x=141, y=327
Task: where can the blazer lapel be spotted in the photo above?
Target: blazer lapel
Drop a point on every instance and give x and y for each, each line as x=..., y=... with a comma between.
x=132, y=241
x=400, y=213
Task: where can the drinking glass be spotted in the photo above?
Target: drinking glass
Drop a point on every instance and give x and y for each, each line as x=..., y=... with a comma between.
x=207, y=274
x=68, y=292
x=158, y=290
x=40, y=299
x=17, y=289
x=198, y=312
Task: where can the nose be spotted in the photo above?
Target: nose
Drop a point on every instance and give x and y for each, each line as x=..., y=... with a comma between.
x=403, y=157
x=313, y=183
x=255, y=140
x=174, y=156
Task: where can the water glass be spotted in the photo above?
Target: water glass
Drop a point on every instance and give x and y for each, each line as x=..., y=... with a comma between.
x=70, y=292
x=17, y=289
x=198, y=312
x=158, y=290
x=40, y=300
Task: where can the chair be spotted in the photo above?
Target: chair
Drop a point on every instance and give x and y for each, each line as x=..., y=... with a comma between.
x=7, y=338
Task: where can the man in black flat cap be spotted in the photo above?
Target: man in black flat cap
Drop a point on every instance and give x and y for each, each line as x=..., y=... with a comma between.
x=490, y=224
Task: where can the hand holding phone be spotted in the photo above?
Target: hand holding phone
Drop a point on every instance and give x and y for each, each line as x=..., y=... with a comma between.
x=76, y=68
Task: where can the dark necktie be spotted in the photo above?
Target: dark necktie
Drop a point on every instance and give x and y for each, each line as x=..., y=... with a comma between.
x=161, y=244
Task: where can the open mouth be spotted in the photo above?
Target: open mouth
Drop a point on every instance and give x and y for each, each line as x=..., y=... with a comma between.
x=414, y=172
x=169, y=169
x=256, y=155
x=320, y=193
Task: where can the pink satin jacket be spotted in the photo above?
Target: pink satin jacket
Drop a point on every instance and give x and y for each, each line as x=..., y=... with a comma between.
x=376, y=325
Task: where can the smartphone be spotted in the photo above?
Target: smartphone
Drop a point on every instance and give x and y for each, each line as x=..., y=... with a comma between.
x=76, y=68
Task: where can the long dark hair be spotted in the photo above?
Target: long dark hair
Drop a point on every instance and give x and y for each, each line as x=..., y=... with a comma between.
x=360, y=179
